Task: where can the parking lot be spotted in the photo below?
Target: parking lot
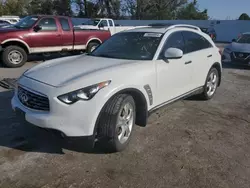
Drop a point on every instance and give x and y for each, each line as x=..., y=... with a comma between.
x=189, y=144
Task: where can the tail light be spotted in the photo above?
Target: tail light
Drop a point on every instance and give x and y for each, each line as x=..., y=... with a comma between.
x=220, y=51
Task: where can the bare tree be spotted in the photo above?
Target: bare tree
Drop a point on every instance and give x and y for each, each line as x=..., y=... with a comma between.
x=152, y=9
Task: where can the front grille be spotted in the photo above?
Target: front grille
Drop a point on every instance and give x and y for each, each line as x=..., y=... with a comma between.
x=241, y=55
x=32, y=100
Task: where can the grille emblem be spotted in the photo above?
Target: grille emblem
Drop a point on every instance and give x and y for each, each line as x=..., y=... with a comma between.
x=23, y=97
x=241, y=55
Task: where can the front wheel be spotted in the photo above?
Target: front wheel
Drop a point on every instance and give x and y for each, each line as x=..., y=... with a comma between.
x=211, y=84
x=14, y=56
x=116, y=123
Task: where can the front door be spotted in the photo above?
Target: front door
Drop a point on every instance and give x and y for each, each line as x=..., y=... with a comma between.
x=48, y=38
x=173, y=75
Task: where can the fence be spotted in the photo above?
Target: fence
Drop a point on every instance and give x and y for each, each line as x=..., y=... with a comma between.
x=226, y=29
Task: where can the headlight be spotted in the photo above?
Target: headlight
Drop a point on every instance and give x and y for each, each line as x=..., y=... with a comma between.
x=85, y=94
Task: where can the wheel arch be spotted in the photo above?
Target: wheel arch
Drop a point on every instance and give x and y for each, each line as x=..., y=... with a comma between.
x=94, y=40
x=218, y=67
x=140, y=103
x=16, y=42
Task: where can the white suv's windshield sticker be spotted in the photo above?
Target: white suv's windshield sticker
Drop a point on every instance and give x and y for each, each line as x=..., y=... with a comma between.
x=152, y=35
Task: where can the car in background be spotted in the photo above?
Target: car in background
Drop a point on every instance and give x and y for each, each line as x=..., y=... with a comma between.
x=4, y=23
x=210, y=31
x=105, y=24
x=39, y=34
x=238, y=52
x=96, y=97
x=10, y=19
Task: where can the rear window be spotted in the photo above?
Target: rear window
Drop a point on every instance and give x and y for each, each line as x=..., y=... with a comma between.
x=110, y=23
x=64, y=24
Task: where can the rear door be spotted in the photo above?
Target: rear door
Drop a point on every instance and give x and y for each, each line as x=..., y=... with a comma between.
x=67, y=33
x=48, y=38
x=200, y=52
x=111, y=26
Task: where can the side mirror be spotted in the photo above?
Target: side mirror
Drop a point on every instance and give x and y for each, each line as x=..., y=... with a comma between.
x=234, y=40
x=173, y=53
x=37, y=28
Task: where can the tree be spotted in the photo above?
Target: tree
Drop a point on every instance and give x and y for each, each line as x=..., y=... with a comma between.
x=152, y=9
x=40, y=7
x=12, y=7
x=129, y=8
x=244, y=16
x=63, y=7
x=191, y=12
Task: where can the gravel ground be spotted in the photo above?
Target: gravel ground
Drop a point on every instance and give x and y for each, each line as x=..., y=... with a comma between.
x=189, y=144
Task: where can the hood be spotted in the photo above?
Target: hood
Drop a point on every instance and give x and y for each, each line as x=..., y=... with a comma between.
x=240, y=47
x=9, y=29
x=62, y=71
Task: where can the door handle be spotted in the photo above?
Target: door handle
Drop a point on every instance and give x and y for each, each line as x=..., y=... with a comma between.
x=58, y=35
x=210, y=55
x=188, y=62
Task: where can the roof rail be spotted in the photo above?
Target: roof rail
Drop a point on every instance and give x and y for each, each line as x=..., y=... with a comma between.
x=184, y=25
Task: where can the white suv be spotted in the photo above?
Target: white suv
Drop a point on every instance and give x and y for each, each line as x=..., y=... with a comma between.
x=102, y=95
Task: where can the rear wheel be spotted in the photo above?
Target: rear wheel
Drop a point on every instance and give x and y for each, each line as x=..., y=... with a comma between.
x=117, y=122
x=91, y=46
x=211, y=84
x=14, y=56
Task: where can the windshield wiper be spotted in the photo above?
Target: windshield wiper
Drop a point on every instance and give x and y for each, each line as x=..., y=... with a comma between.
x=101, y=55
x=18, y=27
x=105, y=55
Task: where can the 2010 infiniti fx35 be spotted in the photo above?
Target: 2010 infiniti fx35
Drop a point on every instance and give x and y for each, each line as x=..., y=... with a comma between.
x=102, y=95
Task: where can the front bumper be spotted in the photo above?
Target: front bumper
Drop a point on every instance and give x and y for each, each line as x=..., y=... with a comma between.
x=232, y=58
x=241, y=61
x=75, y=120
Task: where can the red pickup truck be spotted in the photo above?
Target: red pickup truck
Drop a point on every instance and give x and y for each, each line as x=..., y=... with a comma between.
x=41, y=34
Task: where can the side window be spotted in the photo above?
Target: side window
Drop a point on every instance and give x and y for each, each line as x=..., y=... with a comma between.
x=104, y=23
x=64, y=24
x=110, y=23
x=195, y=42
x=175, y=40
x=48, y=24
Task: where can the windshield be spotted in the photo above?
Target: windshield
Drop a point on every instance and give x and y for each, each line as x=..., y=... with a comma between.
x=93, y=22
x=130, y=45
x=26, y=22
x=244, y=39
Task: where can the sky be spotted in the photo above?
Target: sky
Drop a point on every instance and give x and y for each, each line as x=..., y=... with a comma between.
x=225, y=9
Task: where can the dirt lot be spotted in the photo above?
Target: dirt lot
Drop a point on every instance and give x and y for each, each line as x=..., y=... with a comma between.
x=189, y=144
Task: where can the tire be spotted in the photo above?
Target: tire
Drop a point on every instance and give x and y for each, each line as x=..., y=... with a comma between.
x=14, y=56
x=91, y=46
x=113, y=139
x=210, y=86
